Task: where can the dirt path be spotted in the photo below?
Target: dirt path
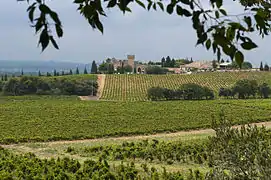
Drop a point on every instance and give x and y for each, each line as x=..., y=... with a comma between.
x=153, y=136
x=101, y=81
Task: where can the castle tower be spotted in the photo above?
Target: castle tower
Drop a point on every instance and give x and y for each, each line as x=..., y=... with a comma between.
x=131, y=61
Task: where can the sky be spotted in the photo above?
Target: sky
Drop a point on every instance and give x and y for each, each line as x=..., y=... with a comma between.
x=148, y=35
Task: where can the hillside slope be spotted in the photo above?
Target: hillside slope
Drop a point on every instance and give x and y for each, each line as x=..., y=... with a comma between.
x=134, y=87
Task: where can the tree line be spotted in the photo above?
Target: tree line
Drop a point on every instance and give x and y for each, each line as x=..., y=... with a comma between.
x=265, y=67
x=185, y=92
x=245, y=88
x=29, y=85
x=93, y=70
x=242, y=89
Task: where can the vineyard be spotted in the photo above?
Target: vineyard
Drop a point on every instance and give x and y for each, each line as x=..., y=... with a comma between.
x=29, y=166
x=46, y=118
x=239, y=152
x=134, y=87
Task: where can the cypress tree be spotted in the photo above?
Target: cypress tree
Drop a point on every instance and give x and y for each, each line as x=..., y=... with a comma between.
x=22, y=72
x=6, y=77
x=71, y=72
x=85, y=70
x=77, y=70
x=261, y=66
x=266, y=67
x=163, y=61
x=55, y=74
x=94, y=68
x=39, y=74
x=2, y=77
x=173, y=62
x=168, y=62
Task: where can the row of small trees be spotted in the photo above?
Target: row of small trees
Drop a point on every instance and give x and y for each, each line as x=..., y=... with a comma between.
x=185, y=92
x=53, y=86
x=242, y=89
x=245, y=89
x=265, y=67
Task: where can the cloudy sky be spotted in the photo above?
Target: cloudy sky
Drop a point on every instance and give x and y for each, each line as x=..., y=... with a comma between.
x=148, y=35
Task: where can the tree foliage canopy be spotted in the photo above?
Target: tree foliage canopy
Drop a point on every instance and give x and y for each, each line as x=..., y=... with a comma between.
x=215, y=28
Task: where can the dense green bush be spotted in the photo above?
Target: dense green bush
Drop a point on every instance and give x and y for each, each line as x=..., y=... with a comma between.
x=245, y=89
x=56, y=86
x=264, y=90
x=2, y=83
x=185, y=92
x=239, y=153
x=155, y=70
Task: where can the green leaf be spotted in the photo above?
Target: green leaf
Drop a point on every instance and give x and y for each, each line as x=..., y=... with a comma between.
x=53, y=42
x=161, y=5
x=54, y=16
x=154, y=6
x=140, y=3
x=239, y=58
x=186, y=13
x=31, y=14
x=179, y=10
x=59, y=30
x=219, y=3
x=208, y=44
x=170, y=8
x=187, y=2
x=78, y=1
x=44, y=39
x=111, y=3
x=223, y=12
x=247, y=19
x=248, y=45
x=217, y=14
x=44, y=9
x=149, y=5
x=98, y=24
x=218, y=54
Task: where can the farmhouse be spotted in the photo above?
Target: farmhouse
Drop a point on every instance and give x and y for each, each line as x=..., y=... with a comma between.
x=225, y=65
x=197, y=65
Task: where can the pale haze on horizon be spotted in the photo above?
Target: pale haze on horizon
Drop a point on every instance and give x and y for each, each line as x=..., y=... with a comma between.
x=148, y=35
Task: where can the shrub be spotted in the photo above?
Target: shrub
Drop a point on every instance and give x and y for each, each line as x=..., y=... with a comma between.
x=239, y=154
x=155, y=70
x=155, y=93
x=11, y=87
x=186, y=92
x=2, y=84
x=226, y=92
x=264, y=90
x=195, y=91
x=41, y=86
x=245, y=88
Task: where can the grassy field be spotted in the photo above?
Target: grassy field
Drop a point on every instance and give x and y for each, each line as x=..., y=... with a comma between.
x=134, y=87
x=49, y=118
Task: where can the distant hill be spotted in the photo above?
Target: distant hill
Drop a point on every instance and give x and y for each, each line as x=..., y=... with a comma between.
x=43, y=66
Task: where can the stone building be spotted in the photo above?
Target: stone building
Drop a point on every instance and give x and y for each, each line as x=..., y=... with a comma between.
x=135, y=65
